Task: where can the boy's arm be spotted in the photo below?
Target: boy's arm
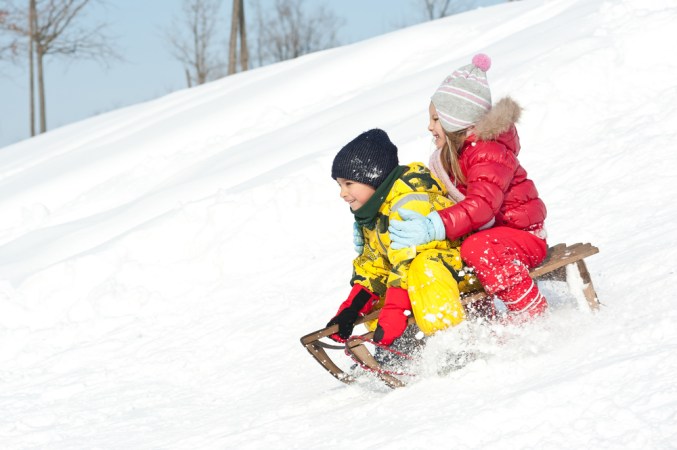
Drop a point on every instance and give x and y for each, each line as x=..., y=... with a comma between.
x=369, y=285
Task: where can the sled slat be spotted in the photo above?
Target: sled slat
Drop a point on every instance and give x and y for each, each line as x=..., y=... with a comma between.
x=325, y=361
x=588, y=289
x=569, y=255
x=324, y=332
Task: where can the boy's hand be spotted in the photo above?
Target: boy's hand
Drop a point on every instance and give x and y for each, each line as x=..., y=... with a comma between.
x=358, y=240
x=415, y=229
x=359, y=302
x=346, y=322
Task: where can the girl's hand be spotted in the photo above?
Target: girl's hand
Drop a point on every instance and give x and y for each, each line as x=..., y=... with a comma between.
x=415, y=229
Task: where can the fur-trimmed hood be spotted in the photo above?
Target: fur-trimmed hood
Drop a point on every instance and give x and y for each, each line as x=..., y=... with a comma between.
x=504, y=114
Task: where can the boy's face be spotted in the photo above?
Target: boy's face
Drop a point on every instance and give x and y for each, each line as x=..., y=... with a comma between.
x=356, y=194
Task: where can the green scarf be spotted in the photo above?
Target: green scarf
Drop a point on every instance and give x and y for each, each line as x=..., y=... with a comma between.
x=366, y=215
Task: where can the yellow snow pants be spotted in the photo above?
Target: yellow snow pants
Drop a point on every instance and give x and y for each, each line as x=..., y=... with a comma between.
x=436, y=281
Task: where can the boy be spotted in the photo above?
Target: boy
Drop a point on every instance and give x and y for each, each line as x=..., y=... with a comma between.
x=425, y=279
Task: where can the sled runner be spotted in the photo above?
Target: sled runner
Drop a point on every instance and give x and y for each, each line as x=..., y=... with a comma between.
x=563, y=263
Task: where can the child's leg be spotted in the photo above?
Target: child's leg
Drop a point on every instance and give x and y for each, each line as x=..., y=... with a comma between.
x=434, y=290
x=502, y=258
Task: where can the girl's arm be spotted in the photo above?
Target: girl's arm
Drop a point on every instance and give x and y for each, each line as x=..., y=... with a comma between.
x=490, y=170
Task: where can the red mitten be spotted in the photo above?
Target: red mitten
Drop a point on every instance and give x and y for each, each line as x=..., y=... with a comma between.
x=360, y=302
x=392, y=321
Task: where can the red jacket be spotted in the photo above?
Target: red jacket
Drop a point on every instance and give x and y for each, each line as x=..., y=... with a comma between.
x=496, y=184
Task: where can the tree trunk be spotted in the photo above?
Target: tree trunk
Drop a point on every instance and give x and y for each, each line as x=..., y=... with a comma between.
x=31, y=70
x=200, y=75
x=232, y=53
x=41, y=88
x=244, y=52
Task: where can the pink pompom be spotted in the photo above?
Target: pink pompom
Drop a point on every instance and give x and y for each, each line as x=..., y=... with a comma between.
x=481, y=61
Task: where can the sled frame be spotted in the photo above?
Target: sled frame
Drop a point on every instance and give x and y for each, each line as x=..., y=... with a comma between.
x=554, y=266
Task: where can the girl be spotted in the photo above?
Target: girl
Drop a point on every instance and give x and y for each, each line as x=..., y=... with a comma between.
x=476, y=158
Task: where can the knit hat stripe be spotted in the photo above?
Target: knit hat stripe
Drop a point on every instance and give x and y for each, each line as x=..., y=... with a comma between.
x=456, y=124
x=476, y=88
x=461, y=93
x=469, y=76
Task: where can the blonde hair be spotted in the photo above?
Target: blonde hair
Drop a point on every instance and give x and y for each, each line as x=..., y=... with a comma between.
x=450, y=153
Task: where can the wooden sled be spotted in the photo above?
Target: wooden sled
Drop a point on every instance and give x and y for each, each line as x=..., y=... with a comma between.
x=565, y=263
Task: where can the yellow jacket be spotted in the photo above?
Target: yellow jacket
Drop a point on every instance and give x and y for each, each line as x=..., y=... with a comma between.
x=380, y=267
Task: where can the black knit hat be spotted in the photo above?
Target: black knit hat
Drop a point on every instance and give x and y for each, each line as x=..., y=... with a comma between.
x=368, y=159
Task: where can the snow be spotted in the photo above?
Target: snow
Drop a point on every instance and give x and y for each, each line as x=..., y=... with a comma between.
x=159, y=263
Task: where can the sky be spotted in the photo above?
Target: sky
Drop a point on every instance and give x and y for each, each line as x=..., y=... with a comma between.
x=79, y=89
x=159, y=263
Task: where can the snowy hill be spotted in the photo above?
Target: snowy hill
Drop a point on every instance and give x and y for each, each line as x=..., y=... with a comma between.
x=159, y=263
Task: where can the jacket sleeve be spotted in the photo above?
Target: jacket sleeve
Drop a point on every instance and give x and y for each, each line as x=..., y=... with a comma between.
x=489, y=170
x=366, y=300
x=370, y=273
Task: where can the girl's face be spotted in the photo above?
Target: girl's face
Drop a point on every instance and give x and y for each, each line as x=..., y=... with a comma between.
x=355, y=193
x=435, y=127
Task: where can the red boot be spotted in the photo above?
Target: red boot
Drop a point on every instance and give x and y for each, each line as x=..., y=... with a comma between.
x=524, y=299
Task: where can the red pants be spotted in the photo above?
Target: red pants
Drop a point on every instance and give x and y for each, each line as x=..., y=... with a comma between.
x=501, y=258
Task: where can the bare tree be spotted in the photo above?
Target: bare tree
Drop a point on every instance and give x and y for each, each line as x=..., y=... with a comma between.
x=244, y=51
x=291, y=31
x=436, y=9
x=10, y=47
x=55, y=27
x=3, y=46
x=32, y=26
x=238, y=27
x=192, y=39
x=7, y=40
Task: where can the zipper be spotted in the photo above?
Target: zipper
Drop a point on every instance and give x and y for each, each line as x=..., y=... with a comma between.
x=378, y=238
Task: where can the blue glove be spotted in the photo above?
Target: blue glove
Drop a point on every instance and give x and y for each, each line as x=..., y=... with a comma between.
x=358, y=240
x=415, y=229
